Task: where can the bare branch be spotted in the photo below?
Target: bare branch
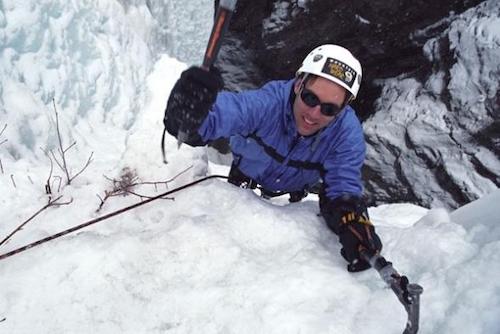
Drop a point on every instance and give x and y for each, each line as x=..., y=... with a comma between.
x=57, y=161
x=169, y=180
x=1, y=142
x=61, y=149
x=58, y=179
x=48, y=189
x=147, y=197
x=70, y=146
x=62, y=161
x=1, y=133
x=84, y=167
x=100, y=204
x=128, y=180
x=51, y=202
x=62, y=203
x=156, y=183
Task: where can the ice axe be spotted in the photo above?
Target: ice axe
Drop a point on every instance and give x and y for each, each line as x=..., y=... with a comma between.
x=221, y=22
x=219, y=28
x=407, y=293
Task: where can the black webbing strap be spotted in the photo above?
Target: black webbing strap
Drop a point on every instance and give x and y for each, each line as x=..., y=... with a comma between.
x=271, y=151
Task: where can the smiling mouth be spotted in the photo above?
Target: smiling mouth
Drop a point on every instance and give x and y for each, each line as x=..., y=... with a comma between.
x=308, y=121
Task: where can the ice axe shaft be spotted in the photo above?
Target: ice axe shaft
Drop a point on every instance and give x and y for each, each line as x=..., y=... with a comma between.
x=221, y=23
x=224, y=12
x=407, y=293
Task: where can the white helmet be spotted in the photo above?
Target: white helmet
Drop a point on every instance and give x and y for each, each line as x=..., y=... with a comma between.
x=336, y=64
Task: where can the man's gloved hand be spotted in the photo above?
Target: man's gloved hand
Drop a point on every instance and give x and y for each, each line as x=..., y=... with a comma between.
x=190, y=101
x=355, y=232
x=348, y=218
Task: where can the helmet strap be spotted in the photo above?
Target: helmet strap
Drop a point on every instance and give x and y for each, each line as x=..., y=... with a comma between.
x=303, y=78
x=349, y=98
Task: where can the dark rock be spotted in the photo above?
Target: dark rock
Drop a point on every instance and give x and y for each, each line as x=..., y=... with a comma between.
x=449, y=119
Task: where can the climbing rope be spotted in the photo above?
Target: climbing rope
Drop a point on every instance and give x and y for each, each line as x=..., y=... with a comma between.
x=107, y=216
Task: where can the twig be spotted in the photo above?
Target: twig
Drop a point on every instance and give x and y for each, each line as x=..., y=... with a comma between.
x=155, y=183
x=126, y=182
x=182, y=172
x=1, y=133
x=13, y=182
x=63, y=165
x=84, y=167
x=147, y=197
x=51, y=202
x=3, y=319
x=70, y=146
x=48, y=189
x=62, y=151
x=57, y=178
x=3, y=141
x=123, y=187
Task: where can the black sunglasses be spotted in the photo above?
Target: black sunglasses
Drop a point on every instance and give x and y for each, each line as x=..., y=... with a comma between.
x=311, y=100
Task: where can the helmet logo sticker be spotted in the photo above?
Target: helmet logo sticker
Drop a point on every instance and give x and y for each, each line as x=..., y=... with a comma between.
x=340, y=71
x=348, y=76
x=317, y=58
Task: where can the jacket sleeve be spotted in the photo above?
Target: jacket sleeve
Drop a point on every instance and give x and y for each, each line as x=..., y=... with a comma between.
x=344, y=162
x=240, y=113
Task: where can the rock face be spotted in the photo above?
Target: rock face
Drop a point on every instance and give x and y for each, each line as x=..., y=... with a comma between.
x=437, y=141
x=429, y=99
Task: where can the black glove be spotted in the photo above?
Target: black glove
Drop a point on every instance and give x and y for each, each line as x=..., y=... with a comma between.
x=190, y=101
x=348, y=218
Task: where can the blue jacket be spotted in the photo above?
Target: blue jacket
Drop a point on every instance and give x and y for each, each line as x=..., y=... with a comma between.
x=265, y=142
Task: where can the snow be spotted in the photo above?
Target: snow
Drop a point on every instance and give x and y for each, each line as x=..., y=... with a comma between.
x=214, y=258
x=361, y=19
x=281, y=16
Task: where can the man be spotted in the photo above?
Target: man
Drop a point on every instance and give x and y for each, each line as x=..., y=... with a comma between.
x=287, y=136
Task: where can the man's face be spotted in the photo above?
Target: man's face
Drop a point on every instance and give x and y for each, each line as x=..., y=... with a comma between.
x=310, y=120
